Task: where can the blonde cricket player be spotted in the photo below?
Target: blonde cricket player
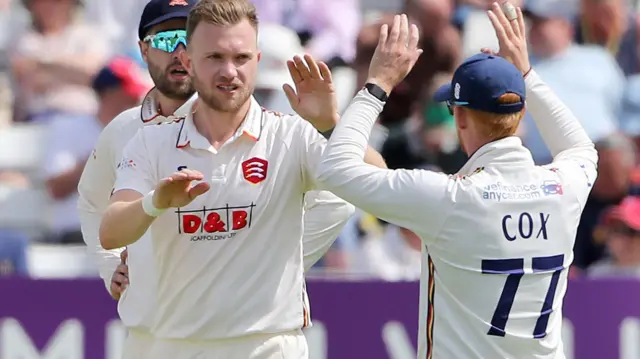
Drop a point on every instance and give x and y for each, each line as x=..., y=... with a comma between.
x=161, y=44
x=222, y=191
x=498, y=237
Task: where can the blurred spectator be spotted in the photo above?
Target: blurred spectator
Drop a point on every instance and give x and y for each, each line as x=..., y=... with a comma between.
x=621, y=232
x=613, y=25
x=616, y=163
x=441, y=44
x=53, y=61
x=476, y=30
x=119, y=87
x=395, y=256
x=118, y=22
x=630, y=117
x=327, y=29
x=277, y=44
x=595, y=98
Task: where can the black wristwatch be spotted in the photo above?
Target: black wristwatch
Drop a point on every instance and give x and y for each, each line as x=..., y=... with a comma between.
x=377, y=92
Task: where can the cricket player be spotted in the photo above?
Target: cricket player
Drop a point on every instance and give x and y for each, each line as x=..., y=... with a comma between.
x=162, y=38
x=498, y=237
x=228, y=248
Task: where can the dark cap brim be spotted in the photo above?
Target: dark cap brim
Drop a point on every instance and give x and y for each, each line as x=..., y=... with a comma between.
x=443, y=93
x=173, y=15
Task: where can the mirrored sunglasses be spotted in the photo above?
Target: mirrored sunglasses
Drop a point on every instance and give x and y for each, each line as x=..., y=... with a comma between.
x=167, y=41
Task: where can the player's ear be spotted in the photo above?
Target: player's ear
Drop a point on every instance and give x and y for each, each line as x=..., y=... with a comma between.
x=186, y=61
x=144, y=50
x=461, y=118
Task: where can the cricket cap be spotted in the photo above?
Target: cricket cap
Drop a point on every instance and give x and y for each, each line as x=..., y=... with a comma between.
x=157, y=11
x=479, y=82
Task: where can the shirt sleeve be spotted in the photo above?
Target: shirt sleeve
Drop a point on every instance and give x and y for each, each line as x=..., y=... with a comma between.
x=324, y=218
x=94, y=189
x=574, y=154
x=418, y=200
x=313, y=145
x=135, y=171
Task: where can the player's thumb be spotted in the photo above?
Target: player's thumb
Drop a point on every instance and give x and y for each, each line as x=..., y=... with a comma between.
x=198, y=189
x=291, y=96
x=123, y=256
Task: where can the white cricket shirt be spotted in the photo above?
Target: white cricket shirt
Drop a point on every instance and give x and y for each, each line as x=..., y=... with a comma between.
x=230, y=263
x=498, y=237
x=95, y=188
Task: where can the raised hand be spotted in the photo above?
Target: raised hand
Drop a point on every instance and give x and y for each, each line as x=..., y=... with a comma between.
x=314, y=98
x=508, y=23
x=396, y=53
x=176, y=190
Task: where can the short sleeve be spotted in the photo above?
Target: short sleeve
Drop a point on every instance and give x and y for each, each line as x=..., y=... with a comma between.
x=135, y=170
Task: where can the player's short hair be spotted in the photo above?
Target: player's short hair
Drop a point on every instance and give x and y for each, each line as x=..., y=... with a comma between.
x=221, y=13
x=495, y=125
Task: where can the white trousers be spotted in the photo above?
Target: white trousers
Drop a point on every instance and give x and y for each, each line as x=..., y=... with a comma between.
x=289, y=345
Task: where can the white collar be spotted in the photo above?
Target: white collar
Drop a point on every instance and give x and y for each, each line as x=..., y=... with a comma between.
x=251, y=127
x=149, y=111
x=508, y=150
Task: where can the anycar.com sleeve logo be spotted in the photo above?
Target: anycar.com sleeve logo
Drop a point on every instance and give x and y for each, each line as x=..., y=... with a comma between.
x=255, y=170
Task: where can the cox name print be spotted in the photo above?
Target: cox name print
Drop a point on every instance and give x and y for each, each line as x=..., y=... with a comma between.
x=76, y=319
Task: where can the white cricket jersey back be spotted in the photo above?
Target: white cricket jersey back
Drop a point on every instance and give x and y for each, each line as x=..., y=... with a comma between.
x=495, y=276
x=230, y=263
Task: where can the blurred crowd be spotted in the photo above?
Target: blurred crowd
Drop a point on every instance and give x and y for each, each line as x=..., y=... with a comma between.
x=67, y=67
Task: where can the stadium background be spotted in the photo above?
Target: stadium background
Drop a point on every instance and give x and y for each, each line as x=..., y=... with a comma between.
x=364, y=292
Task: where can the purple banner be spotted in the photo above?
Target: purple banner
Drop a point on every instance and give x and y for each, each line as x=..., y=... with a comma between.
x=76, y=319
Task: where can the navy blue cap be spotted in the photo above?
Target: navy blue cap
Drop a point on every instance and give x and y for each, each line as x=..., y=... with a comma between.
x=480, y=80
x=157, y=11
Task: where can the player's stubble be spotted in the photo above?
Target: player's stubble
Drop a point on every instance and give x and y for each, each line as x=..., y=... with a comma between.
x=217, y=102
x=176, y=90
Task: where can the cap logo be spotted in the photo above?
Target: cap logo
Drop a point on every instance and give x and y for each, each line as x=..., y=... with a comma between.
x=178, y=2
x=456, y=91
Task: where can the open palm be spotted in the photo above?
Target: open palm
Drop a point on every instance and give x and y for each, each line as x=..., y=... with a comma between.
x=314, y=96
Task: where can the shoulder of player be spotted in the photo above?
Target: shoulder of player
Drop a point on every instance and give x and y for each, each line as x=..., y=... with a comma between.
x=159, y=134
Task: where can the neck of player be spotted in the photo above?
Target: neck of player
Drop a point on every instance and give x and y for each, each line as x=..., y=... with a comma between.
x=216, y=126
x=168, y=106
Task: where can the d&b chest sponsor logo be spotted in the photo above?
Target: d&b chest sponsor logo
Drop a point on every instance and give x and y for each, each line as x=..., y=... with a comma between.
x=213, y=224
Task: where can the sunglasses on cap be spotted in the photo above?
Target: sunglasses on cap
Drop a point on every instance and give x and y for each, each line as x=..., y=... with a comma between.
x=451, y=103
x=167, y=41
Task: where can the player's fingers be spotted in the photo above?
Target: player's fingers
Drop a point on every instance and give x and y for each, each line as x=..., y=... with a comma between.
x=314, y=71
x=302, y=68
x=486, y=50
x=291, y=96
x=403, y=37
x=293, y=71
x=198, y=189
x=384, y=35
x=194, y=175
x=123, y=256
x=325, y=72
x=511, y=13
x=414, y=37
x=502, y=18
x=394, y=34
x=123, y=269
x=179, y=176
x=119, y=279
